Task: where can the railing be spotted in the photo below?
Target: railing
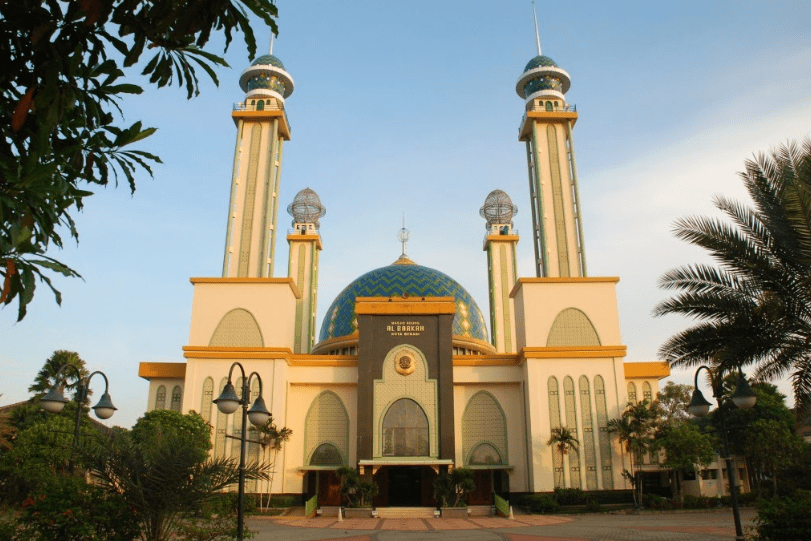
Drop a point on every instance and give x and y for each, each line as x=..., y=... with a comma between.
x=502, y=505
x=571, y=108
x=490, y=232
x=242, y=106
x=310, y=506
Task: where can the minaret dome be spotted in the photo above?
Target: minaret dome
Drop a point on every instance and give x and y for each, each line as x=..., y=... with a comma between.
x=306, y=208
x=542, y=78
x=498, y=209
x=266, y=76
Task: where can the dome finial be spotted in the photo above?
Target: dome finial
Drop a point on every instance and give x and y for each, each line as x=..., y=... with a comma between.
x=537, y=34
x=403, y=236
x=270, y=51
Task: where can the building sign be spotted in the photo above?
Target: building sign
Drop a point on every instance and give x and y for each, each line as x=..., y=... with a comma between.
x=405, y=328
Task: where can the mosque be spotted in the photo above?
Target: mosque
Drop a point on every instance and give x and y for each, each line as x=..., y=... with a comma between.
x=404, y=381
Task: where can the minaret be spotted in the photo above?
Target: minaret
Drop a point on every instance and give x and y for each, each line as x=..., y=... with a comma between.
x=305, y=243
x=262, y=129
x=500, y=244
x=546, y=128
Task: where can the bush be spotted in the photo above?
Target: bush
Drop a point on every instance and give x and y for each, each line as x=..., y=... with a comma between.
x=593, y=506
x=786, y=518
x=540, y=503
x=282, y=501
x=700, y=502
x=652, y=501
x=68, y=509
x=222, y=528
x=570, y=496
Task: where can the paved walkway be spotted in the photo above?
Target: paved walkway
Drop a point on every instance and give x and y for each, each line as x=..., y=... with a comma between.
x=672, y=526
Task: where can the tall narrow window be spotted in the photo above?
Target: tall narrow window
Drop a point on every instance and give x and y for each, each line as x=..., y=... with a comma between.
x=160, y=398
x=588, y=434
x=605, y=440
x=646, y=391
x=206, y=401
x=571, y=422
x=554, y=422
x=177, y=396
x=222, y=427
x=631, y=392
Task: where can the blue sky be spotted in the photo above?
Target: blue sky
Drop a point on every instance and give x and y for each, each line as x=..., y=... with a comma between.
x=411, y=107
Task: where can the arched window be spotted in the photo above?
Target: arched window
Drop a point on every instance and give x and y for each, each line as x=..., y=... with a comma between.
x=405, y=430
x=207, y=399
x=632, y=392
x=260, y=105
x=484, y=454
x=326, y=455
x=549, y=106
x=160, y=398
x=646, y=391
x=177, y=395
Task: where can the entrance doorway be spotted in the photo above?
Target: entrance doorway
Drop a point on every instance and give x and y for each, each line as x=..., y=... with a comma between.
x=405, y=486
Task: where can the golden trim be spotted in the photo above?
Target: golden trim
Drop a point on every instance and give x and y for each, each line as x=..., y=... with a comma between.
x=292, y=359
x=316, y=238
x=561, y=280
x=161, y=370
x=502, y=237
x=231, y=280
x=545, y=116
x=649, y=369
x=262, y=115
x=486, y=360
x=570, y=352
x=405, y=306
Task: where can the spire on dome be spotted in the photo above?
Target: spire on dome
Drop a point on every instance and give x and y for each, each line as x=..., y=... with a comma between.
x=537, y=34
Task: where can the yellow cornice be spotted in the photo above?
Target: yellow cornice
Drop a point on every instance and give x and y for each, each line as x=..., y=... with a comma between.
x=341, y=361
x=316, y=238
x=284, y=129
x=405, y=306
x=289, y=281
x=570, y=352
x=647, y=370
x=502, y=237
x=162, y=370
x=544, y=116
x=510, y=359
x=292, y=359
x=563, y=280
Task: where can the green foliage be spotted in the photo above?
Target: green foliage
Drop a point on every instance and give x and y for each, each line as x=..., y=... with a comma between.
x=564, y=439
x=700, y=502
x=355, y=491
x=772, y=447
x=570, y=496
x=69, y=509
x=752, y=308
x=784, y=519
x=636, y=429
x=540, y=503
x=219, y=528
x=190, y=429
x=673, y=400
x=450, y=489
x=46, y=377
x=65, y=72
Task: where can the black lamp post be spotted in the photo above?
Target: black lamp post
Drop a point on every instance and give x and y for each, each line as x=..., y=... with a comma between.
x=744, y=398
x=228, y=402
x=55, y=400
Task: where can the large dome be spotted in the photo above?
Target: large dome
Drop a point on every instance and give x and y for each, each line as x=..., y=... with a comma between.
x=404, y=276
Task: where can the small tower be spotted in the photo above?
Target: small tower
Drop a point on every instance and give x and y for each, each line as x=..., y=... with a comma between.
x=500, y=244
x=262, y=129
x=305, y=243
x=546, y=128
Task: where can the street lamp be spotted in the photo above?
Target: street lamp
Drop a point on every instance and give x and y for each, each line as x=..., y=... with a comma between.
x=744, y=398
x=228, y=402
x=54, y=401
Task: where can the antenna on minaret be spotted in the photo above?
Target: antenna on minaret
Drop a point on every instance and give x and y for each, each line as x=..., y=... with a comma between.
x=271, y=38
x=403, y=235
x=537, y=34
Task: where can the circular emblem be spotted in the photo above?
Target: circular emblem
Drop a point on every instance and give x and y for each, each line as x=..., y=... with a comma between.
x=404, y=365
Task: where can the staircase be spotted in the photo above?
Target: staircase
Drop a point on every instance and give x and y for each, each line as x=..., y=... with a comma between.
x=405, y=512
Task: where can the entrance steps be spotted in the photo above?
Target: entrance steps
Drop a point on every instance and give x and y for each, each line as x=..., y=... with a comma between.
x=405, y=512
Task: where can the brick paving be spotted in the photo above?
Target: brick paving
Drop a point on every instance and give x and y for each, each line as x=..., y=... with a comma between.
x=675, y=526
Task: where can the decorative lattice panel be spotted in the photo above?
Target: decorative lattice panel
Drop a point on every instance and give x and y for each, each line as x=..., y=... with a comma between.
x=554, y=422
x=160, y=398
x=177, y=397
x=572, y=328
x=484, y=422
x=588, y=434
x=646, y=392
x=571, y=422
x=221, y=428
x=207, y=399
x=557, y=201
x=327, y=422
x=237, y=328
x=302, y=251
x=253, y=448
x=605, y=440
x=632, y=392
x=250, y=201
x=237, y=423
x=505, y=298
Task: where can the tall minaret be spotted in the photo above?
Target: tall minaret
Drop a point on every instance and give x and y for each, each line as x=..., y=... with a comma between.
x=546, y=128
x=262, y=129
x=305, y=243
x=500, y=244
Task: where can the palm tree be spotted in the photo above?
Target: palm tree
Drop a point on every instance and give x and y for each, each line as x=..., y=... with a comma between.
x=46, y=377
x=271, y=438
x=754, y=306
x=636, y=428
x=564, y=439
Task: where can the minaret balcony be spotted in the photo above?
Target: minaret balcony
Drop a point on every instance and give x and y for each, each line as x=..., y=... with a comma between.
x=562, y=113
x=268, y=108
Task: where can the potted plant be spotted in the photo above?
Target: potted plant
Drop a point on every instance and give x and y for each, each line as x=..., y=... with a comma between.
x=450, y=491
x=357, y=494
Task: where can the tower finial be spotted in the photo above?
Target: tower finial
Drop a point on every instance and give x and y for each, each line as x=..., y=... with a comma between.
x=271, y=38
x=537, y=34
x=403, y=236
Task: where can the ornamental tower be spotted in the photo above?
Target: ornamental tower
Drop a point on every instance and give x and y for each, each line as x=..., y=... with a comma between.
x=546, y=129
x=500, y=243
x=262, y=129
x=305, y=243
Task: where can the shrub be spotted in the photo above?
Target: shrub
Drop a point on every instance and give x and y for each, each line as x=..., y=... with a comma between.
x=282, y=501
x=570, y=496
x=540, y=503
x=784, y=519
x=222, y=528
x=593, y=506
x=700, y=502
x=652, y=501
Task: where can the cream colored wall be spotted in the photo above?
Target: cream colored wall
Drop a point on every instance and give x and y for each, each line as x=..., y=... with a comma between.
x=510, y=397
x=540, y=302
x=537, y=373
x=170, y=384
x=273, y=305
x=498, y=298
x=307, y=286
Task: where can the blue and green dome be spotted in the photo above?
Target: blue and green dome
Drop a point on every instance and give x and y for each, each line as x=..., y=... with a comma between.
x=542, y=77
x=267, y=60
x=403, y=277
x=539, y=61
x=266, y=75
